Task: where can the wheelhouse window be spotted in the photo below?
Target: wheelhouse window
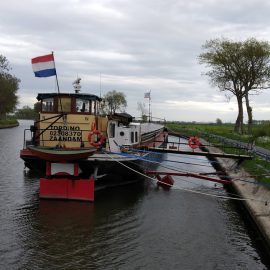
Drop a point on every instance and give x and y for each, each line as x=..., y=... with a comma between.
x=82, y=105
x=66, y=104
x=47, y=105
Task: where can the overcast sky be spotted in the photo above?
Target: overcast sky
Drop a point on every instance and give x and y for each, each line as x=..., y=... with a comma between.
x=136, y=46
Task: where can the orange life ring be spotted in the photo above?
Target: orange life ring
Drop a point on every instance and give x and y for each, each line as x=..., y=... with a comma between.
x=99, y=135
x=194, y=142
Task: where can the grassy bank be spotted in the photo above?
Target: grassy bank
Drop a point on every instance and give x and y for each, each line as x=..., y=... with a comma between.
x=5, y=123
x=260, y=133
x=257, y=167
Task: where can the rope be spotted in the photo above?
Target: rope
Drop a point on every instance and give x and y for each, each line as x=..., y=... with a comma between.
x=153, y=160
x=187, y=181
x=173, y=168
x=189, y=190
x=250, y=182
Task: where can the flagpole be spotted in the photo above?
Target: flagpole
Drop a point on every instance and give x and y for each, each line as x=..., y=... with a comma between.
x=58, y=89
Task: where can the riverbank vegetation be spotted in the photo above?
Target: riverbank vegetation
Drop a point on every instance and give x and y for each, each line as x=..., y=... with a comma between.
x=260, y=136
x=9, y=122
x=9, y=86
x=26, y=113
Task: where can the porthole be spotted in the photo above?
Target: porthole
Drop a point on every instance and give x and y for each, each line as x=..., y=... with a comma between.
x=122, y=133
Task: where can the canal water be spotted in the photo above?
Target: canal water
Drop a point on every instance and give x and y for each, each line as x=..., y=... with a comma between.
x=138, y=227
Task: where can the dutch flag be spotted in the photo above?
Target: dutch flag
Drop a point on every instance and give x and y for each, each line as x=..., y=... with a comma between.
x=43, y=66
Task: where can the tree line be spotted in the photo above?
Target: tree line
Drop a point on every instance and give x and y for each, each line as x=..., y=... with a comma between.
x=27, y=112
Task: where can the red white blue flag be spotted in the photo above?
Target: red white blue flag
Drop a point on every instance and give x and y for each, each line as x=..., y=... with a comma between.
x=43, y=66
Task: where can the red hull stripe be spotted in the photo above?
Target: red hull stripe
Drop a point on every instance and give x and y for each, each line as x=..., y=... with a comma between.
x=44, y=58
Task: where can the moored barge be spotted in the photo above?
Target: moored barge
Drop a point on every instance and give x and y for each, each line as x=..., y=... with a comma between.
x=72, y=122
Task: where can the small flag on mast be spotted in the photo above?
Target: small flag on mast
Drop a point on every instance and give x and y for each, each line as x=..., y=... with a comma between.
x=147, y=95
x=43, y=66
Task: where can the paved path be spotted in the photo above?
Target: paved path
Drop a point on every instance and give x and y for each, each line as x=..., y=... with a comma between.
x=255, y=150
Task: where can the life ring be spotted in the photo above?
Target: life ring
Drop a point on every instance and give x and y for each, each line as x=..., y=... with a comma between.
x=100, y=137
x=194, y=142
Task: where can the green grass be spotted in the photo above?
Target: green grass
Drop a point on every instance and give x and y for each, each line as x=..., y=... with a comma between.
x=257, y=167
x=261, y=133
x=8, y=122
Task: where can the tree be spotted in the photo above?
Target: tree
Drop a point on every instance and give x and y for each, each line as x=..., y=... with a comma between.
x=257, y=54
x=114, y=101
x=9, y=85
x=238, y=68
x=218, y=121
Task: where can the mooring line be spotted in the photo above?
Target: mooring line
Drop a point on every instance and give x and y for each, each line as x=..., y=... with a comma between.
x=152, y=161
x=173, y=168
x=189, y=190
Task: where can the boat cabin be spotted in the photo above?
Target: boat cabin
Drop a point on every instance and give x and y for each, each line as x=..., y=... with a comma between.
x=74, y=120
x=66, y=119
x=122, y=131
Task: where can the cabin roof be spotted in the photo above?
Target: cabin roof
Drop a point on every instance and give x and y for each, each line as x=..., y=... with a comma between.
x=123, y=117
x=41, y=96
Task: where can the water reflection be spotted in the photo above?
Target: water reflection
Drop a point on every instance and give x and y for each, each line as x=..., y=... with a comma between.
x=79, y=234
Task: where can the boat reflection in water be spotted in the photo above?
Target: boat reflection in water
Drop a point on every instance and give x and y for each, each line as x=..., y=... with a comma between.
x=87, y=235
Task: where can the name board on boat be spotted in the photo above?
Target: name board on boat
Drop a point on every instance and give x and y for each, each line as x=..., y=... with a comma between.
x=65, y=133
